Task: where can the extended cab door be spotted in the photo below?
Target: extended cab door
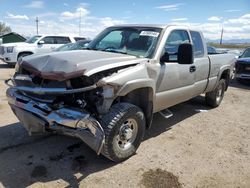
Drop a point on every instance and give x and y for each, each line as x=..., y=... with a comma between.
x=201, y=63
x=49, y=43
x=176, y=81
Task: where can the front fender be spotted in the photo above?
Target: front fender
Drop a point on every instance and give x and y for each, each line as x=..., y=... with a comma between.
x=136, y=84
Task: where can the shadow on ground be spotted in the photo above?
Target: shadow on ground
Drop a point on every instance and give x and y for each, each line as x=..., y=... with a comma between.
x=25, y=160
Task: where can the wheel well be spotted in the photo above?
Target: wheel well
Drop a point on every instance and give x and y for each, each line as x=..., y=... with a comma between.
x=143, y=98
x=27, y=52
x=226, y=75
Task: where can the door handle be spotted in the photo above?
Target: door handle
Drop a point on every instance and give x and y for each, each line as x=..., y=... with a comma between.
x=192, y=69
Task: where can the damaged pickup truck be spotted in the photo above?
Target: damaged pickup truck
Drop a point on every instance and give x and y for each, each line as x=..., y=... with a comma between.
x=106, y=95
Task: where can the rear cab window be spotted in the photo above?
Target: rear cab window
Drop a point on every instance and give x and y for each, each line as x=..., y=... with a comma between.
x=198, y=46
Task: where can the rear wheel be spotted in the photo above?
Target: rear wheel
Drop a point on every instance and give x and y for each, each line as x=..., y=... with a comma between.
x=215, y=97
x=124, y=128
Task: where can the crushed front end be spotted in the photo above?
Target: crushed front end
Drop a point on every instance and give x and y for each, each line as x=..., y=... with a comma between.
x=66, y=106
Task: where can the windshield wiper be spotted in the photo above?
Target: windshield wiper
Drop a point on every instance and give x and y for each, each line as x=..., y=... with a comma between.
x=114, y=51
x=106, y=50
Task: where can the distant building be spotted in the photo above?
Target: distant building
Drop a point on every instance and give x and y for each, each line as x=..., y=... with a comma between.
x=11, y=37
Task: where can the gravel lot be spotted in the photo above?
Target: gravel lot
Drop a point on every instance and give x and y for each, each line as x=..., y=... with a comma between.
x=197, y=147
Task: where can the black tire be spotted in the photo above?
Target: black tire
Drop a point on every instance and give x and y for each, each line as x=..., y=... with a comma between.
x=215, y=97
x=117, y=118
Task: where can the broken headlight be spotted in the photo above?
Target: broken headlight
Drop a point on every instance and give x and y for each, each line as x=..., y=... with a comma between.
x=108, y=91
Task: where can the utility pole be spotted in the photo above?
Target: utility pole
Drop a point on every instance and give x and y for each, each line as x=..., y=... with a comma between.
x=37, y=21
x=80, y=22
x=221, y=36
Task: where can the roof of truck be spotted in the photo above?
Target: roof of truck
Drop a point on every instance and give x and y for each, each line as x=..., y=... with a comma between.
x=142, y=25
x=162, y=26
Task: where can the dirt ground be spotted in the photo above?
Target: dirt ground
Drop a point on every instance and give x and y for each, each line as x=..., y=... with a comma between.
x=197, y=147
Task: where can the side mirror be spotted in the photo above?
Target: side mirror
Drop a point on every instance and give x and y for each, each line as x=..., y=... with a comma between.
x=185, y=54
x=41, y=42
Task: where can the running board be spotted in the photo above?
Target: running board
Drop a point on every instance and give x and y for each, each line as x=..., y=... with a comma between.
x=166, y=113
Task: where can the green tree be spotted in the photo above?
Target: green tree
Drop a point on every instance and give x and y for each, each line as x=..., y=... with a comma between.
x=4, y=28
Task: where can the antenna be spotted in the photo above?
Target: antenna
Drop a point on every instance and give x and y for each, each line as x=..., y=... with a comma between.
x=37, y=21
x=221, y=36
x=80, y=22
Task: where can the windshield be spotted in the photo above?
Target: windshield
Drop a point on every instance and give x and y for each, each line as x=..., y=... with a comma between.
x=246, y=53
x=137, y=41
x=33, y=39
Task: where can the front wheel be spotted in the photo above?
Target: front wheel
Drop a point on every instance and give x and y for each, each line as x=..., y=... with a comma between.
x=215, y=97
x=124, y=128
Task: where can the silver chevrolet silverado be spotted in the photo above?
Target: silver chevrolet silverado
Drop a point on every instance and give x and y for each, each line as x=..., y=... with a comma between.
x=106, y=95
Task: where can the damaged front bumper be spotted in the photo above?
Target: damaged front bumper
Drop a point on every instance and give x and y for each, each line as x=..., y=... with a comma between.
x=38, y=117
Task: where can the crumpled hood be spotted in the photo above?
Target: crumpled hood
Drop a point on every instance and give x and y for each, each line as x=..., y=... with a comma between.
x=69, y=64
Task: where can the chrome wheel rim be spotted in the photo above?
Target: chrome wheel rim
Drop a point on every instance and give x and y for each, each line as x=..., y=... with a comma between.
x=127, y=134
x=219, y=94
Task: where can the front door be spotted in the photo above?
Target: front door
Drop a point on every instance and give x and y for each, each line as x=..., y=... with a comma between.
x=176, y=81
x=47, y=45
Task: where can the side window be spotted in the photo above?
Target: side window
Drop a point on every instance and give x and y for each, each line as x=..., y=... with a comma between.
x=48, y=40
x=198, y=44
x=62, y=40
x=174, y=39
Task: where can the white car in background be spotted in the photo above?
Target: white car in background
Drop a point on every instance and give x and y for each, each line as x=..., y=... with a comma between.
x=11, y=52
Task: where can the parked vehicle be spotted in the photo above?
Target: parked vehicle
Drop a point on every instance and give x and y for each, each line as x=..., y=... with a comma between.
x=106, y=95
x=211, y=50
x=222, y=50
x=11, y=52
x=242, y=66
x=79, y=45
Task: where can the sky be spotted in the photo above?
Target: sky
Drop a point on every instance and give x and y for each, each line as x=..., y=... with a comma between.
x=63, y=16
